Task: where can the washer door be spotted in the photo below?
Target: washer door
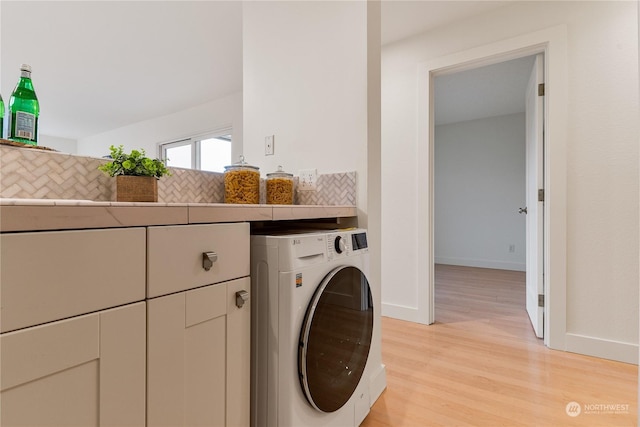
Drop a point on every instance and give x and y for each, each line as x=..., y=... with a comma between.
x=335, y=338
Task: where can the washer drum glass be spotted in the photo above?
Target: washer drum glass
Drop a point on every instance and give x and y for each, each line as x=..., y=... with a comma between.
x=335, y=338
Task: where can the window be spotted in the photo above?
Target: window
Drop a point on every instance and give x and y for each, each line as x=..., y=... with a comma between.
x=210, y=152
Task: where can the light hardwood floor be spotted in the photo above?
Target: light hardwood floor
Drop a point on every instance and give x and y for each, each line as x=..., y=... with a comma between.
x=480, y=364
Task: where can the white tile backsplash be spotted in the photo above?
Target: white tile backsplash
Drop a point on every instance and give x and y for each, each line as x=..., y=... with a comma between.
x=30, y=173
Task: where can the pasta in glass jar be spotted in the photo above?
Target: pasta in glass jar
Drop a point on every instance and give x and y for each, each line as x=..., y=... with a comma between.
x=279, y=188
x=241, y=183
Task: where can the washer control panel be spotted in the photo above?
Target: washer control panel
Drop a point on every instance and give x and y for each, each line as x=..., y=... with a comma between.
x=339, y=244
x=342, y=244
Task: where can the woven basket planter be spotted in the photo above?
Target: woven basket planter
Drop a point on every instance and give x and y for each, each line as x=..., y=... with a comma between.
x=136, y=188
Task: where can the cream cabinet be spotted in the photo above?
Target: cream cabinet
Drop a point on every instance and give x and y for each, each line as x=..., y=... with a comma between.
x=199, y=326
x=125, y=326
x=85, y=371
x=68, y=357
x=198, y=363
x=176, y=258
x=52, y=275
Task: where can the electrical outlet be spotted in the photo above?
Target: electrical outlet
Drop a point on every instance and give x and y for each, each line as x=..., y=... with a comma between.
x=307, y=180
x=268, y=145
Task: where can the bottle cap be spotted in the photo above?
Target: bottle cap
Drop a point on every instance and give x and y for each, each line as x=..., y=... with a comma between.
x=25, y=67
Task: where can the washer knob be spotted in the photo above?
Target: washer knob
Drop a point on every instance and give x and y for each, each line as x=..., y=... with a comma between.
x=339, y=245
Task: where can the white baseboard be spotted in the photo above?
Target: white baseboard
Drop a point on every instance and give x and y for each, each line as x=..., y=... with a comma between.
x=598, y=347
x=377, y=383
x=482, y=263
x=401, y=312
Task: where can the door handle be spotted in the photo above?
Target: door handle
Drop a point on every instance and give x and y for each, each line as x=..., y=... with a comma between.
x=522, y=210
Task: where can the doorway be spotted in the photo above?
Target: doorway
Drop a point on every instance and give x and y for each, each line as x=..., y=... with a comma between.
x=553, y=43
x=486, y=161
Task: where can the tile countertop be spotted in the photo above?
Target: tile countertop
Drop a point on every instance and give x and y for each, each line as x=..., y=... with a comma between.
x=58, y=214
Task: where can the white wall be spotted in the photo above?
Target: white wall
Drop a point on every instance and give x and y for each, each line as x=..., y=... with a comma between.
x=305, y=81
x=312, y=79
x=601, y=166
x=214, y=115
x=479, y=186
x=65, y=145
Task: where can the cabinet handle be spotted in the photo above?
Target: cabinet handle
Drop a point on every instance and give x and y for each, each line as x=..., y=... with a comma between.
x=208, y=258
x=241, y=297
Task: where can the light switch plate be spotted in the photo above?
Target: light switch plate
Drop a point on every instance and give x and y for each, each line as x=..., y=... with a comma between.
x=268, y=145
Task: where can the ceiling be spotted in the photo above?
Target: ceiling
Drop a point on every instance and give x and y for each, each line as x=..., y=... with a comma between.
x=101, y=65
x=402, y=18
x=489, y=91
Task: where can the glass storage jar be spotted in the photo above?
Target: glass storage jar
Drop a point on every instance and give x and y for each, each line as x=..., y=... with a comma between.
x=279, y=188
x=242, y=183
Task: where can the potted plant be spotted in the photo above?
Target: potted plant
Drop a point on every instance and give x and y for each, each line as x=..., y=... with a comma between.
x=136, y=175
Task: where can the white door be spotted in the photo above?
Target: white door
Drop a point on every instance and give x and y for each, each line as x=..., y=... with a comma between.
x=535, y=205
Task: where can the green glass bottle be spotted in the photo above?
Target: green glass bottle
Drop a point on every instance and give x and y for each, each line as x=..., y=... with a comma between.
x=24, y=110
x=1, y=117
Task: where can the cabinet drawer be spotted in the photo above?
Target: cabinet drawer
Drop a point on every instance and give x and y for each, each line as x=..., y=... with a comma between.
x=175, y=260
x=48, y=276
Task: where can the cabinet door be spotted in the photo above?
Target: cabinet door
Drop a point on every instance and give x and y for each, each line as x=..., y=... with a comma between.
x=198, y=357
x=85, y=371
x=238, y=355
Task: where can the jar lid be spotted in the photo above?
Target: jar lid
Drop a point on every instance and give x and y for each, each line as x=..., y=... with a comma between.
x=279, y=174
x=241, y=164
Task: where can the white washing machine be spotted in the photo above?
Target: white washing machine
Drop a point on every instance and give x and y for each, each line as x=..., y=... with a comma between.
x=316, y=353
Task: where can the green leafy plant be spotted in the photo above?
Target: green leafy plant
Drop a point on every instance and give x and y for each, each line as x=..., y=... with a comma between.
x=136, y=164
